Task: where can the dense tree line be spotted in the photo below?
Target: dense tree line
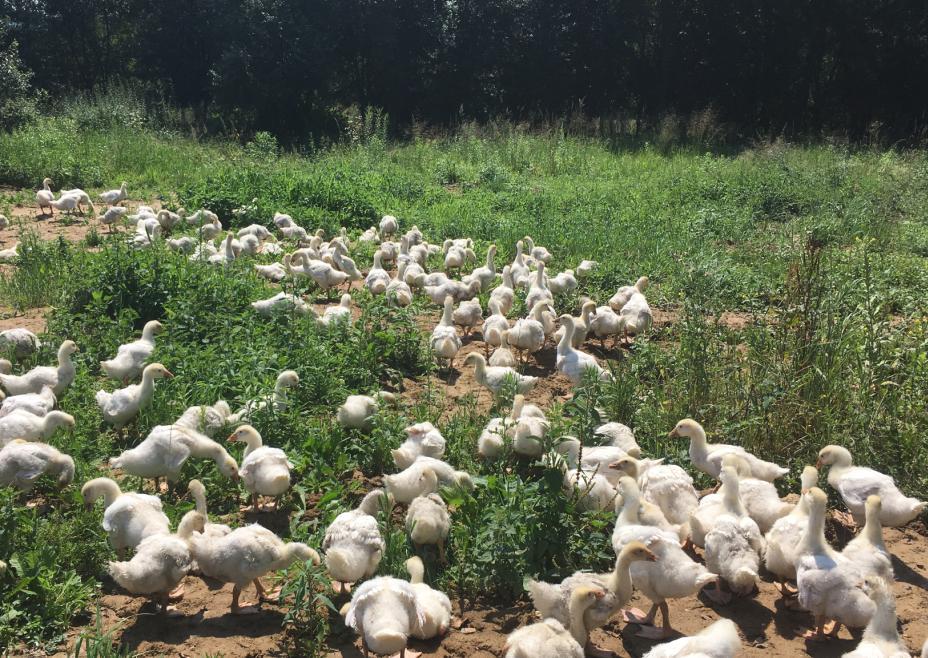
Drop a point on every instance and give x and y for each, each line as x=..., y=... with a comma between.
x=795, y=66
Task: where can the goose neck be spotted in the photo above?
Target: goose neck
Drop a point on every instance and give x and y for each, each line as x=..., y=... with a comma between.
x=567, y=338
x=577, y=608
x=621, y=579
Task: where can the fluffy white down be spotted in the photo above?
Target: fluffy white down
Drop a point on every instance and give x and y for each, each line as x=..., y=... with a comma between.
x=427, y=520
x=266, y=471
x=545, y=639
x=245, y=553
x=353, y=546
x=132, y=517
x=385, y=611
x=37, y=404
x=22, y=463
x=159, y=564
x=719, y=640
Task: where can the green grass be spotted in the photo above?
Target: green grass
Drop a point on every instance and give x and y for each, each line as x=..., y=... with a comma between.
x=821, y=252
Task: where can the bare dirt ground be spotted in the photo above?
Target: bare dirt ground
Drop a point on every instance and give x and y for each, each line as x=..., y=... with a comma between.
x=766, y=627
x=32, y=319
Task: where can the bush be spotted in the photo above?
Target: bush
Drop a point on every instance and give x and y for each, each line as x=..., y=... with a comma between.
x=17, y=99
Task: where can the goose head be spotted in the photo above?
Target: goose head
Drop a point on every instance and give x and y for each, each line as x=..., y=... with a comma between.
x=688, y=428
x=833, y=455
x=247, y=435
x=54, y=419
x=808, y=479
x=99, y=487
x=477, y=359
x=288, y=379
x=67, y=348
x=627, y=464
x=228, y=467
x=636, y=551
x=157, y=371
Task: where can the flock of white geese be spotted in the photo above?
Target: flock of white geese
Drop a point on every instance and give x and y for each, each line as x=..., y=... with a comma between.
x=740, y=528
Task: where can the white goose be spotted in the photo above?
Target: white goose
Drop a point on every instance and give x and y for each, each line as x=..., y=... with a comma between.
x=538, y=291
x=528, y=334
x=398, y=291
x=279, y=401
x=45, y=196
x=635, y=316
x=385, y=612
x=620, y=298
x=22, y=463
x=553, y=601
x=538, y=253
x=467, y=315
x=673, y=575
x=549, y=638
x=20, y=340
x=130, y=358
x=265, y=471
x=495, y=325
x=129, y=517
x=867, y=549
x=719, y=640
x=124, y=404
x=504, y=294
x=421, y=439
x=486, y=274
x=707, y=457
x=166, y=449
x=445, y=342
x=494, y=378
x=160, y=563
x=735, y=544
x=198, y=492
x=519, y=268
x=856, y=483
x=282, y=302
x=582, y=324
x=358, y=411
x=24, y=425
x=881, y=637
x=502, y=356
x=56, y=378
x=37, y=404
x=113, y=197
x=338, y=314
x=377, y=278
x=243, y=556
x=784, y=537
x=827, y=581
x=435, y=605
x=572, y=362
x=353, y=545
x=388, y=225
x=275, y=272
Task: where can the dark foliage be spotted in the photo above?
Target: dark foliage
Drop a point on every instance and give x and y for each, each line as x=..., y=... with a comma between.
x=854, y=67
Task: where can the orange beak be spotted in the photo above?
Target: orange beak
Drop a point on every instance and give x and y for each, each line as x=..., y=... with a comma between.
x=652, y=557
x=231, y=438
x=168, y=374
x=673, y=432
x=818, y=463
